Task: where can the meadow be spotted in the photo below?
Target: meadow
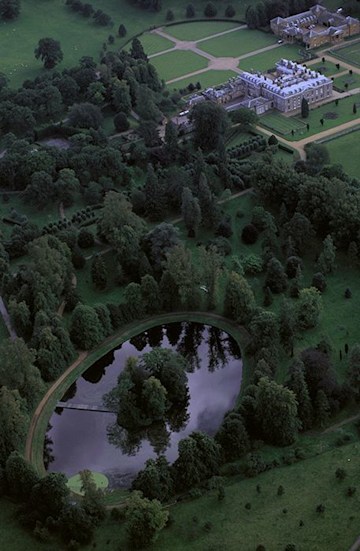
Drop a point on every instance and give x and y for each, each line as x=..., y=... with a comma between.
x=197, y=30
x=344, y=150
x=206, y=79
x=237, y=43
x=267, y=60
x=178, y=63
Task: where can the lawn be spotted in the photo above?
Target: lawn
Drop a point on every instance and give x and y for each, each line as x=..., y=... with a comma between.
x=350, y=53
x=332, y=115
x=198, y=30
x=328, y=68
x=39, y=217
x=176, y=64
x=237, y=43
x=267, y=60
x=347, y=82
x=206, y=79
x=154, y=43
x=345, y=150
x=282, y=125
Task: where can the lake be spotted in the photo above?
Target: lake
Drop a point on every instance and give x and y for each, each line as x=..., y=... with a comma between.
x=93, y=440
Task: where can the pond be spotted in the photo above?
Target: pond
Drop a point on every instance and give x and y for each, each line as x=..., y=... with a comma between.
x=85, y=439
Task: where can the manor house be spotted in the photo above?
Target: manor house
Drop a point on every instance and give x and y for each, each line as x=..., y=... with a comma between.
x=315, y=27
x=282, y=89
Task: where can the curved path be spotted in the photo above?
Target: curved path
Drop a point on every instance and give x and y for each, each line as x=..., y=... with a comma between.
x=124, y=334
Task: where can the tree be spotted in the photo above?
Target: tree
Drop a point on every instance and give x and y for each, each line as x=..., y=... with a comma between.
x=20, y=476
x=93, y=498
x=13, y=421
x=354, y=109
x=85, y=328
x=122, y=30
x=239, y=301
x=287, y=325
x=191, y=213
x=304, y=108
x=232, y=436
x=321, y=408
x=298, y=385
x=154, y=195
x=121, y=122
x=211, y=268
x=326, y=261
x=155, y=480
x=150, y=294
x=308, y=308
x=75, y=525
x=210, y=123
x=99, y=272
x=121, y=99
x=210, y=10
x=170, y=15
x=199, y=458
x=85, y=115
x=133, y=300
x=171, y=140
x=230, y=11
x=276, y=278
x=144, y=520
x=137, y=50
x=251, y=18
x=276, y=413
x=245, y=117
x=115, y=215
x=49, y=51
x=49, y=495
x=300, y=229
x=159, y=242
x=190, y=11
x=180, y=265
x=209, y=207
x=353, y=374
x=9, y=9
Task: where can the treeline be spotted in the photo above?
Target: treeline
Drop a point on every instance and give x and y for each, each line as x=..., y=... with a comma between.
x=260, y=15
x=88, y=10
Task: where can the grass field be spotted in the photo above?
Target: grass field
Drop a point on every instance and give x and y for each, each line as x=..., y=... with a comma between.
x=267, y=60
x=176, y=64
x=352, y=81
x=206, y=79
x=328, y=68
x=237, y=43
x=345, y=150
x=350, y=53
x=199, y=29
x=283, y=125
x=280, y=124
x=153, y=43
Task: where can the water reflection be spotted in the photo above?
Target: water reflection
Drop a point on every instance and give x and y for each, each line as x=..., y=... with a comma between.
x=93, y=440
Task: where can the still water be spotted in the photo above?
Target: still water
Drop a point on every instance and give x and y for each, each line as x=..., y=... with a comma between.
x=92, y=440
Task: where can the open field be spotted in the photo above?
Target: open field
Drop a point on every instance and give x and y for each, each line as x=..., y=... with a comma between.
x=350, y=53
x=199, y=29
x=267, y=60
x=328, y=68
x=345, y=150
x=237, y=43
x=347, y=82
x=175, y=64
x=154, y=43
x=206, y=79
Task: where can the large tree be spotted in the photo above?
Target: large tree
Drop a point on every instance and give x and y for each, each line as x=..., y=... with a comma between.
x=144, y=520
x=191, y=212
x=155, y=480
x=85, y=330
x=9, y=9
x=13, y=422
x=276, y=413
x=49, y=51
x=85, y=115
x=239, y=301
x=210, y=122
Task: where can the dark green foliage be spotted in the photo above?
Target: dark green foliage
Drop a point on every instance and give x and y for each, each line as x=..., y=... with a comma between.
x=170, y=15
x=321, y=408
x=319, y=282
x=93, y=500
x=154, y=195
x=155, y=480
x=276, y=277
x=210, y=10
x=190, y=11
x=9, y=9
x=210, y=124
x=348, y=293
x=340, y=474
x=85, y=328
x=191, y=213
x=298, y=385
x=280, y=490
x=249, y=234
x=239, y=301
x=98, y=272
x=199, y=458
x=76, y=525
x=230, y=11
x=121, y=122
x=292, y=264
x=304, y=108
x=49, y=51
x=20, y=476
x=85, y=239
x=122, y=30
x=151, y=296
x=49, y=495
x=233, y=437
x=309, y=307
x=273, y=140
x=85, y=115
x=145, y=519
x=353, y=374
x=14, y=422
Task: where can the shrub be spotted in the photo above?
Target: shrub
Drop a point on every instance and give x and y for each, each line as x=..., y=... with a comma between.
x=319, y=282
x=320, y=508
x=249, y=234
x=340, y=474
x=348, y=293
x=190, y=11
x=121, y=122
x=248, y=506
x=222, y=245
x=280, y=490
x=78, y=260
x=252, y=264
x=85, y=239
x=230, y=11
x=350, y=491
x=224, y=228
x=169, y=15
x=210, y=10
